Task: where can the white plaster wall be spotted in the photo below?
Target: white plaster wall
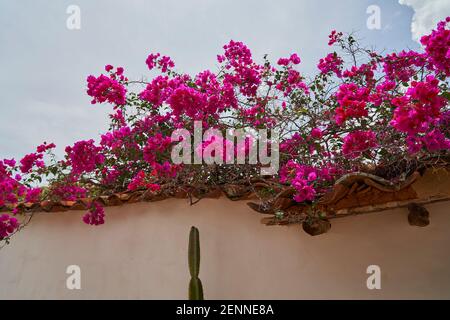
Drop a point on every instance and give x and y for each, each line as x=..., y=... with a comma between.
x=141, y=252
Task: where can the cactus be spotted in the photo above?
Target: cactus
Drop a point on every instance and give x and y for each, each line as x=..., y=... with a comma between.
x=195, y=285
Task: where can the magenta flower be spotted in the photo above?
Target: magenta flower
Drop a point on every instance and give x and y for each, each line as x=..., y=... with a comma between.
x=437, y=46
x=84, y=157
x=331, y=63
x=31, y=160
x=8, y=225
x=95, y=215
x=106, y=89
x=357, y=142
x=334, y=37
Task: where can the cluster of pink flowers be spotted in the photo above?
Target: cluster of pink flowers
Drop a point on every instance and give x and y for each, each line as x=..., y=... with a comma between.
x=45, y=147
x=117, y=138
x=246, y=74
x=95, y=215
x=364, y=71
x=31, y=160
x=317, y=133
x=155, y=60
x=166, y=169
x=358, y=142
x=401, y=66
x=110, y=175
x=257, y=115
x=331, y=63
x=84, y=156
x=432, y=141
x=334, y=37
x=190, y=102
x=294, y=59
x=142, y=180
x=352, y=101
x=293, y=81
x=185, y=100
x=419, y=108
x=8, y=225
x=118, y=118
x=437, y=47
x=32, y=195
x=418, y=112
x=220, y=96
x=154, y=153
x=116, y=75
x=305, y=179
x=11, y=190
x=156, y=144
x=297, y=144
x=35, y=159
x=69, y=192
x=382, y=93
x=157, y=91
x=106, y=89
x=9, y=186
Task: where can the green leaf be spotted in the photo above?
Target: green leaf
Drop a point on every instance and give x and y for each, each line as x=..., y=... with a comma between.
x=446, y=95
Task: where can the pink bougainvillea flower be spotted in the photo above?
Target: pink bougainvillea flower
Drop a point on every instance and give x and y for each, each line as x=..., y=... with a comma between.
x=45, y=147
x=334, y=37
x=357, y=142
x=294, y=59
x=332, y=63
x=8, y=225
x=84, y=156
x=96, y=215
x=164, y=63
x=106, y=89
x=352, y=101
x=437, y=47
x=31, y=160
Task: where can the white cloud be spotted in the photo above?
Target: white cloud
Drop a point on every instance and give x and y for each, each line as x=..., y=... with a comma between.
x=427, y=13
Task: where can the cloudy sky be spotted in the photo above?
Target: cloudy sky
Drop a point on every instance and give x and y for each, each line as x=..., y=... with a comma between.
x=44, y=65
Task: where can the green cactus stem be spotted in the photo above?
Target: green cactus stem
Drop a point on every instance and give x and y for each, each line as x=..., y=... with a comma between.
x=195, y=285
